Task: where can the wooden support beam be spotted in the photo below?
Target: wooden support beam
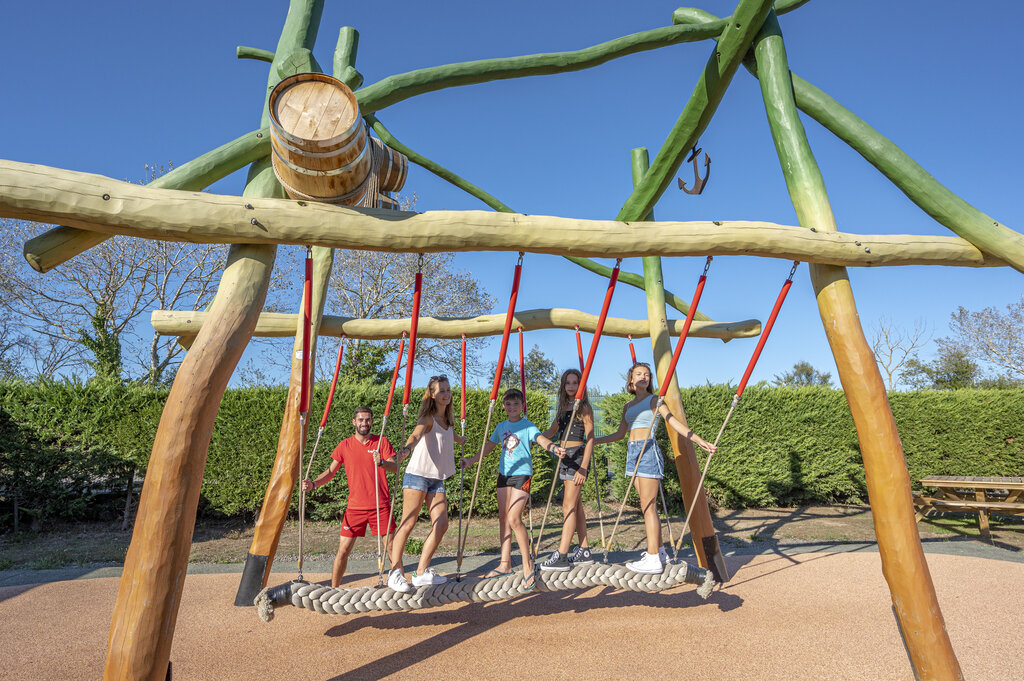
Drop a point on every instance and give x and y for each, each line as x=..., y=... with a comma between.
x=44, y=194
x=277, y=324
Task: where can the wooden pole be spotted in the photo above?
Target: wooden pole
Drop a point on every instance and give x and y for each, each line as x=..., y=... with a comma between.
x=899, y=544
x=685, y=456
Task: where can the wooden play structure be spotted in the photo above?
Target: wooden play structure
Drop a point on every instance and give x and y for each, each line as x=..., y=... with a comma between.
x=317, y=178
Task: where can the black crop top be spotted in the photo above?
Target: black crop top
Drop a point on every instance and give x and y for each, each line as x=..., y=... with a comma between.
x=576, y=434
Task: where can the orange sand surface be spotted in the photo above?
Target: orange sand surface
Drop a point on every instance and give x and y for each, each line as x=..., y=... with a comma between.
x=809, y=616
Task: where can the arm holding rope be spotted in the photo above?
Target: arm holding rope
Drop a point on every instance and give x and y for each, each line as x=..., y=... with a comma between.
x=588, y=448
x=423, y=427
x=685, y=431
x=325, y=477
x=385, y=456
x=618, y=434
x=549, y=446
x=469, y=461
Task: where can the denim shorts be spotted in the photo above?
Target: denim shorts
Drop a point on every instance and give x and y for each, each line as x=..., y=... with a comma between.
x=652, y=465
x=428, y=485
x=571, y=462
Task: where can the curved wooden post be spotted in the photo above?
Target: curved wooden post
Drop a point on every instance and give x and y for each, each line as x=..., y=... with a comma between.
x=685, y=456
x=899, y=544
x=144, y=616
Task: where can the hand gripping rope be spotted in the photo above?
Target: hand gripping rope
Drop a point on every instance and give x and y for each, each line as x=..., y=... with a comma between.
x=661, y=401
x=462, y=454
x=585, y=372
x=494, y=396
x=307, y=323
x=739, y=391
x=376, y=488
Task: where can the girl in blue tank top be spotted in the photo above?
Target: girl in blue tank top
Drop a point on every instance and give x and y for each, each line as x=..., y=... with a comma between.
x=644, y=457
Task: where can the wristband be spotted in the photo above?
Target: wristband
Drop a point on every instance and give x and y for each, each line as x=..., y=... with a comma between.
x=584, y=471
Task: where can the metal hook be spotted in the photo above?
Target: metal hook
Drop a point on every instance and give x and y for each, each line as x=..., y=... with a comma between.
x=698, y=181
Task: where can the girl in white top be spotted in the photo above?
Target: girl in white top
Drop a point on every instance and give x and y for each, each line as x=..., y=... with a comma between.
x=432, y=444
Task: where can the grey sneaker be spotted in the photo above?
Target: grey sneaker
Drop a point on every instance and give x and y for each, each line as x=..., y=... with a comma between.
x=428, y=578
x=556, y=563
x=581, y=556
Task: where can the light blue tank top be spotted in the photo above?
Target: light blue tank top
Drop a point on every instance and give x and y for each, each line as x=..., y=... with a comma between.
x=639, y=415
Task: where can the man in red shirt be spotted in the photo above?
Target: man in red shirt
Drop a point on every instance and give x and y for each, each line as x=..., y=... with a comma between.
x=363, y=475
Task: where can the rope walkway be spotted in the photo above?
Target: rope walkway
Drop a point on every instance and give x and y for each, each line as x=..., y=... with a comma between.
x=330, y=601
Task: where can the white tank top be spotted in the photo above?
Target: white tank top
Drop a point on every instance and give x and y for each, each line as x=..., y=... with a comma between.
x=434, y=455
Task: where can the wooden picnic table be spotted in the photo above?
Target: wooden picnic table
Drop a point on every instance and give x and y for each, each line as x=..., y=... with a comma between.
x=982, y=495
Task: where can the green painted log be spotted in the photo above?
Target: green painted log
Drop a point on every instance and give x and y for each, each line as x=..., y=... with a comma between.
x=899, y=545
x=345, y=57
x=934, y=198
x=703, y=102
x=473, y=190
x=60, y=244
x=400, y=87
x=243, y=52
x=702, y=531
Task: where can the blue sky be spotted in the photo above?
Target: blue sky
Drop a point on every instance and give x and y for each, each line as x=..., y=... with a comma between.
x=109, y=87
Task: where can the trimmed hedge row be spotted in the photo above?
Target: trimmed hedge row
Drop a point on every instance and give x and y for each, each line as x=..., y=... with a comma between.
x=65, y=447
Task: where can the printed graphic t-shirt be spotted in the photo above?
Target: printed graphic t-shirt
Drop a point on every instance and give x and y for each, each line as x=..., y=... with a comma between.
x=362, y=473
x=515, y=438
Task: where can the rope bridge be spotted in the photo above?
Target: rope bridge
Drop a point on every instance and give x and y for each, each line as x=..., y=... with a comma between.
x=331, y=601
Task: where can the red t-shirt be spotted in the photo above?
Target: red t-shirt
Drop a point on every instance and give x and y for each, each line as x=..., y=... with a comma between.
x=361, y=471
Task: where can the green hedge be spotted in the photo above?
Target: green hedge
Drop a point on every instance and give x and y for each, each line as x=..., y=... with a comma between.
x=67, y=449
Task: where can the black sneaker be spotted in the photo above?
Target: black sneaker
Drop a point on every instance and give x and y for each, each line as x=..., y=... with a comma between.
x=556, y=563
x=581, y=556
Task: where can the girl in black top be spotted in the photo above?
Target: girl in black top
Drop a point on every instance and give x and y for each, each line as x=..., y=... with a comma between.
x=573, y=471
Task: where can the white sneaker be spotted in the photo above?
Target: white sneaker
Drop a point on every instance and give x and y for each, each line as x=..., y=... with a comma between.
x=428, y=578
x=650, y=564
x=397, y=582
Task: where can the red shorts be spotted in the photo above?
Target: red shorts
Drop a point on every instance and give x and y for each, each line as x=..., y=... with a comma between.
x=354, y=522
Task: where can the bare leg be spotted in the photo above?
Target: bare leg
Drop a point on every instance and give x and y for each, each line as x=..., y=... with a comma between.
x=571, y=511
x=341, y=559
x=437, y=506
x=504, y=533
x=412, y=500
x=647, y=488
x=581, y=518
x=514, y=515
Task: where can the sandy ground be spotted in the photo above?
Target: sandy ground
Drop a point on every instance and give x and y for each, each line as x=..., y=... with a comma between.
x=803, y=616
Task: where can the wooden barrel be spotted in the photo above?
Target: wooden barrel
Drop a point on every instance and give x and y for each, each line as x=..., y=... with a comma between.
x=391, y=166
x=386, y=201
x=320, y=143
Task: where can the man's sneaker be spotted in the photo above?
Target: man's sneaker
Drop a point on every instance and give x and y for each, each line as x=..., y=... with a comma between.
x=397, y=582
x=581, y=556
x=556, y=563
x=650, y=564
x=428, y=578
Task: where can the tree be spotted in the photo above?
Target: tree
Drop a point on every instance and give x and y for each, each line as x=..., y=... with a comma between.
x=802, y=375
x=894, y=346
x=989, y=336
x=105, y=346
x=541, y=372
x=952, y=369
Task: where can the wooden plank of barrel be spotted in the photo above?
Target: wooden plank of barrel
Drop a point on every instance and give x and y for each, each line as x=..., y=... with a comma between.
x=320, y=144
x=392, y=167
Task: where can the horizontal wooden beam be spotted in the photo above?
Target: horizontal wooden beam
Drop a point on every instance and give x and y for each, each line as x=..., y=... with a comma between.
x=94, y=202
x=275, y=324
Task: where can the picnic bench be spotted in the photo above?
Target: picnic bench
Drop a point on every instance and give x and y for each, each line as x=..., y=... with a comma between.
x=981, y=495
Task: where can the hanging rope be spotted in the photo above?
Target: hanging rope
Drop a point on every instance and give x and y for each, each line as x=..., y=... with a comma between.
x=307, y=323
x=632, y=350
x=462, y=454
x=494, y=396
x=579, y=346
x=581, y=390
x=413, y=323
x=522, y=371
x=739, y=390
x=661, y=401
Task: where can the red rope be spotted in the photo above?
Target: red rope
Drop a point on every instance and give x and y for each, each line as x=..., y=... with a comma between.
x=522, y=369
x=463, y=405
x=307, y=323
x=632, y=350
x=412, y=336
x=767, y=329
x=394, y=377
x=334, y=383
x=597, y=331
x=686, y=329
x=508, y=328
x=579, y=346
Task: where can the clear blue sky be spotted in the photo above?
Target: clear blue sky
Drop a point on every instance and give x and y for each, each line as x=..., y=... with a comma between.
x=108, y=87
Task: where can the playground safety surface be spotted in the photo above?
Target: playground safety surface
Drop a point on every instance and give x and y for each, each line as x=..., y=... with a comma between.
x=815, y=614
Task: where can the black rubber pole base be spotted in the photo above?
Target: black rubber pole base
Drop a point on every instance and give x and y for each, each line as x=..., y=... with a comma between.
x=252, y=580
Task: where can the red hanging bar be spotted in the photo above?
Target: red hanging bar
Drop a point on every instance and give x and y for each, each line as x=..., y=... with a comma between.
x=394, y=377
x=508, y=328
x=412, y=334
x=307, y=323
x=686, y=329
x=462, y=407
x=632, y=350
x=579, y=346
x=767, y=329
x=600, y=328
x=522, y=369
x=334, y=383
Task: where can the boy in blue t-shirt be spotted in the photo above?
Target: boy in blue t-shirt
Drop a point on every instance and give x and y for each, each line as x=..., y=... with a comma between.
x=515, y=469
